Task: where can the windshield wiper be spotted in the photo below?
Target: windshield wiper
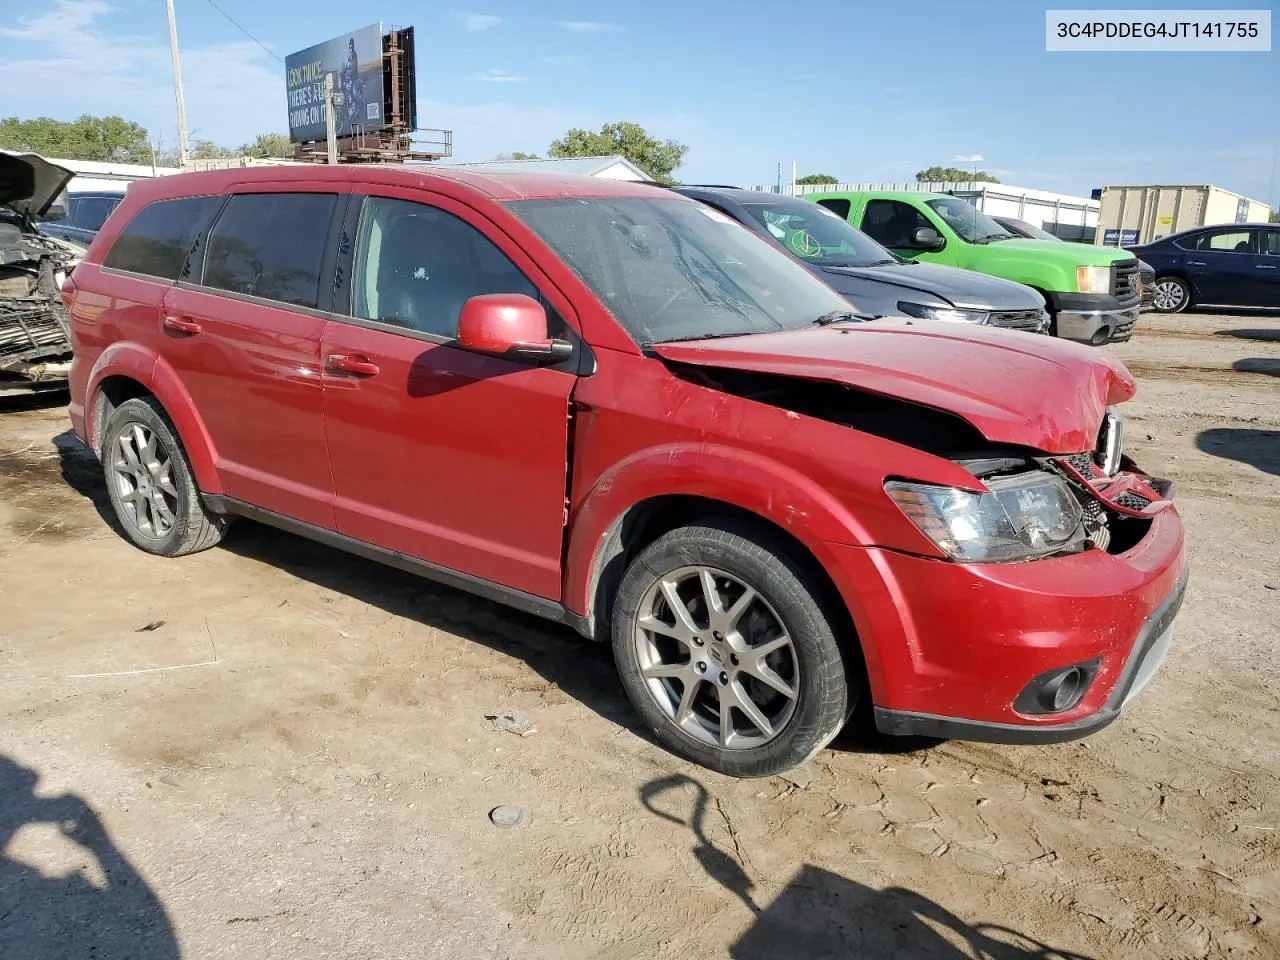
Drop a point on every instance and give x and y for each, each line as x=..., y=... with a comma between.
x=990, y=237
x=836, y=316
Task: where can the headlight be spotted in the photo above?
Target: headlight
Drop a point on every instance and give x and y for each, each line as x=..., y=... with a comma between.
x=1093, y=279
x=1023, y=516
x=949, y=314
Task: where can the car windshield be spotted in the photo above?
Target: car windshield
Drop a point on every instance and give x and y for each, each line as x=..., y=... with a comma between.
x=968, y=221
x=818, y=236
x=675, y=269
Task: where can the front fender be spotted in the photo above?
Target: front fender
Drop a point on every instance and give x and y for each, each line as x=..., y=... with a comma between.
x=739, y=478
x=157, y=376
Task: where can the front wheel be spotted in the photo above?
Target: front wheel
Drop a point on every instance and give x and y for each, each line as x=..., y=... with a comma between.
x=1173, y=295
x=727, y=654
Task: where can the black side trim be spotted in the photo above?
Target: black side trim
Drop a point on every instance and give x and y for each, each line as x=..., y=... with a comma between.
x=1089, y=302
x=904, y=723
x=517, y=599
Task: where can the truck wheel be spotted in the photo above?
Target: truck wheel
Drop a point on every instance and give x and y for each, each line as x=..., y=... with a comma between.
x=726, y=653
x=151, y=485
x=1173, y=295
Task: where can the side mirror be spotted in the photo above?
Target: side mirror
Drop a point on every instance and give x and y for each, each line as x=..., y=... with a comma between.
x=509, y=325
x=927, y=239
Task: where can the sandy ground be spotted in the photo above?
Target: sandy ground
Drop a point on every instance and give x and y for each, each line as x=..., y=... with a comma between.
x=275, y=750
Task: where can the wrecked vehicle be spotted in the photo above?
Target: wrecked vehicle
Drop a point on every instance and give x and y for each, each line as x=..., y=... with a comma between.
x=35, y=346
x=609, y=405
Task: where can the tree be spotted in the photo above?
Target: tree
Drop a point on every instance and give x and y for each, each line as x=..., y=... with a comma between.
x=658, y=158
x=208, y=150
x=953, y=175
x=1275, y=216
x=816, y=178
x=266, y=145
x=111, y=139
x=517, y=155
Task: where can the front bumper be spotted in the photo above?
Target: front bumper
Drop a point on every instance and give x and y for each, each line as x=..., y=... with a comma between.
x=950, y=647
x=1094, y=319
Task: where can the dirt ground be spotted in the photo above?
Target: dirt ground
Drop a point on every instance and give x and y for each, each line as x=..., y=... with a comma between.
x=274, y=750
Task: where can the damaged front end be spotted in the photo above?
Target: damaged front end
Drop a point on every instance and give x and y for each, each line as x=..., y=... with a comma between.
x=35, y=342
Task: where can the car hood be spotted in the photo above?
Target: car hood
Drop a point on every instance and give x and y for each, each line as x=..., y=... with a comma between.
x=29, y=184
x=1080, y=254
x=961, y=288
x=1038, y=392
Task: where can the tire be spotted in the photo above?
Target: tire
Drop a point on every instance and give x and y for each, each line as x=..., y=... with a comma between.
x=658, y=666
x=1173, y=292
x=149, y=481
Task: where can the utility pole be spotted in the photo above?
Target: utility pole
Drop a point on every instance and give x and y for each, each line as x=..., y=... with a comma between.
x=330, y=125
x=177, y=84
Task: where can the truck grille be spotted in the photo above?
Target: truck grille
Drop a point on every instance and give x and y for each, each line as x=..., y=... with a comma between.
x=30, y=330
x=1034, y=320
x=1125, y=280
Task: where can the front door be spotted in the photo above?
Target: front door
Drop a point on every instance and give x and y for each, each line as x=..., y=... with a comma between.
x=1221, y=268
x=447, y=456
x=893, y=224
x=244, y=337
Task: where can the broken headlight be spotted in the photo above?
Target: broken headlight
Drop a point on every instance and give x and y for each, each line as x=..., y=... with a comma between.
x=923, y=311
x=1021, y=516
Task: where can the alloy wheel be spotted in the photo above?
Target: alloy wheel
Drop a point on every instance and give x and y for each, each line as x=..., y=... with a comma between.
x=142, y=471
x=716, y=658
x=1168, y=296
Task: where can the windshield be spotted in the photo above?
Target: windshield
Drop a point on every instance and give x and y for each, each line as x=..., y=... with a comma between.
x=675, y=269
x=968, y=221
x=818, y=236
x=1028, y=230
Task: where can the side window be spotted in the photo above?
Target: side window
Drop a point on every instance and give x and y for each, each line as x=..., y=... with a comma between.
x=92, y=212
x=159, y=237
x=415, y=266
x=1193, y=242
x=1235, y=241
x=837, y=205
x=893, y=223
x=1271, y=243
x=270, y=245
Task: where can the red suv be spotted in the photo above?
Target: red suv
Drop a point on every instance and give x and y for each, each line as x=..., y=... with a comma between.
x=612, y=406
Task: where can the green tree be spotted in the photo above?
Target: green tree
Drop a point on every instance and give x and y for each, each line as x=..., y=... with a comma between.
x=112, y=139
x=266, y=145
x=658, y=158
x=208, y=150
x=517, y=155
x=1275, y=216
x=953, y=175
x=816, y=178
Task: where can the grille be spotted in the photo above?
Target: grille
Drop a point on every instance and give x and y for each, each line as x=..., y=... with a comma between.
x=1125, y=279
x=1033, y=320
x=1082, y=463
x=30, y=329
x=1132, y=501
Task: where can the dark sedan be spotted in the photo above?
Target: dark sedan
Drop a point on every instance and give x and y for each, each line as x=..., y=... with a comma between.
x=1229, y=265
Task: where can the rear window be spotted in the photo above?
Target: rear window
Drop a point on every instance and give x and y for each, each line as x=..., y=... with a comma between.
x=157, y=240
x=837, y=205
x=270, y=245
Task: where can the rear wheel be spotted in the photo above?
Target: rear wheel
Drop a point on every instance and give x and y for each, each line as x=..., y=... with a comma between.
x=151, y=485
x=1173, y=295
x=725, y=651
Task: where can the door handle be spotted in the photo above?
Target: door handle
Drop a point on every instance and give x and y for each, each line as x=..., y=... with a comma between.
x=354, y=363
x=181, y=324
x=1195, y=263
x=1266, y=266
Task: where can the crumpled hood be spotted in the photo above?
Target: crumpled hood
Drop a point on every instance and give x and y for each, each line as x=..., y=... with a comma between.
x=1013, y=387
x=961, y=288
x=29, y=184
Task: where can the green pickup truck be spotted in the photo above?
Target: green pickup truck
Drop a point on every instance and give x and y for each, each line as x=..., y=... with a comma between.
x=1092, y=293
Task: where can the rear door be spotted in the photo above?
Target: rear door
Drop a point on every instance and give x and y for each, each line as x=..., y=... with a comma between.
x=243, y=332
x=1266, y=270
x=1221, y=268
x=447, y=456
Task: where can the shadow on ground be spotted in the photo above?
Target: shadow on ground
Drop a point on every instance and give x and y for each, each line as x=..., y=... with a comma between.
x=45, y=917
x=1261, y=334
x=1257, y=448
x=1265, y=365
x=821, y=915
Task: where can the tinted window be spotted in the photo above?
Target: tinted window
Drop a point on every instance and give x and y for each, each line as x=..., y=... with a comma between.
x=672, y=269
x=1271, y=242
x=157, y=240
x=1193, y=242
x=416, y=265
x=270, y=245
x=1236, y=241
x=92, y=212
x=838, y=206
x=893, y=223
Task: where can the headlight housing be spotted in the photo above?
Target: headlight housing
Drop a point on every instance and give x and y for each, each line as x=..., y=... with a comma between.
x=949, y=314
x=1093, y=279
x=1023, y=516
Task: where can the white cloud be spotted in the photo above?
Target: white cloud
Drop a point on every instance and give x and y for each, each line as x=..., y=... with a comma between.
x=967, y=158
x=478, y=21
x=569, y=63
x=588, y=26
x=495, y=76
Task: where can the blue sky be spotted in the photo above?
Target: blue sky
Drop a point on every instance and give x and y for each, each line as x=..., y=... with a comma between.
x=864, y=91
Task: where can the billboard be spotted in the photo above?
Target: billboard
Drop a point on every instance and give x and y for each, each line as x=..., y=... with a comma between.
x=355, y=61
